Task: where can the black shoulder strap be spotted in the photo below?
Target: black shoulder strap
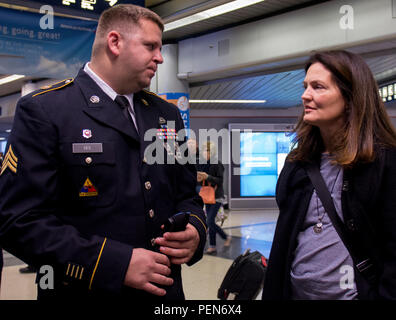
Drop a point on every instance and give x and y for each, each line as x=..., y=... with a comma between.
x=362, y=262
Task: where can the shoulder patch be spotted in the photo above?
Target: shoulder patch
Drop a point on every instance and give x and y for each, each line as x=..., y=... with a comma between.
x=55, y=86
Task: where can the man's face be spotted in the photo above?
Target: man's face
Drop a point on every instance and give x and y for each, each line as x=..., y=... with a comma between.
x=140, y=54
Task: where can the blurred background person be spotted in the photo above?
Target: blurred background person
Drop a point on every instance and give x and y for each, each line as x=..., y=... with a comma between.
x=194, y=157
x=212, y=172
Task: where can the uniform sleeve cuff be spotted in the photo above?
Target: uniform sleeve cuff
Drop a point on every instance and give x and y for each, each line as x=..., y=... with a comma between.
x=201, y=228
x=111, y=266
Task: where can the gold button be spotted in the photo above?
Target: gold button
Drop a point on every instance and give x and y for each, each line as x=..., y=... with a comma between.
x=147, y=185
x=151, y=213
x=88, y=160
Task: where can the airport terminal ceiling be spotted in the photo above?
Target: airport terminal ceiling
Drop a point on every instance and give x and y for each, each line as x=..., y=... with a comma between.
x=278, y=82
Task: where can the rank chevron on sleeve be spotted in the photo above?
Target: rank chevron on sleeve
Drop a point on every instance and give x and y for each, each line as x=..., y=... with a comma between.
x=10, y=161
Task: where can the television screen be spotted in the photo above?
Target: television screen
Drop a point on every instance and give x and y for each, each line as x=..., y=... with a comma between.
x=262, y=156
x=394, y=91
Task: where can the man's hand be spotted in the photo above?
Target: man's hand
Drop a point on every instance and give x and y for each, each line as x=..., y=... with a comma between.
x=147, y=267
x=179, y=246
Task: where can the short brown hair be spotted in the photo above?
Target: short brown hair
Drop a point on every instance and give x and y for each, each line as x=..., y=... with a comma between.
x=123, y=13
x=367, y=124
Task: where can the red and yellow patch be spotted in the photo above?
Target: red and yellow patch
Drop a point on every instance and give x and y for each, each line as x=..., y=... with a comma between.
x=88, y=189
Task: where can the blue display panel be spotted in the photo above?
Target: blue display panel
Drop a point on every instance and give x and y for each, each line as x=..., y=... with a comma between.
x=262, y=156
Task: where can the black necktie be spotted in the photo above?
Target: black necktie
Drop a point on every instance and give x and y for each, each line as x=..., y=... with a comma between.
x=124, y=104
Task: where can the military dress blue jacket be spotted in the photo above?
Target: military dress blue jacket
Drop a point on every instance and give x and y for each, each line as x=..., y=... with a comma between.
x=78, y=194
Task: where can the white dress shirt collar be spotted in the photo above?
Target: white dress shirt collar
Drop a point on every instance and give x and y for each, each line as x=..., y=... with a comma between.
x=104, y=86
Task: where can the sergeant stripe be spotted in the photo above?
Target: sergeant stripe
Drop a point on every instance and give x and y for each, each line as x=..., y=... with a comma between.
x=12, y=153
x=67, y=271
x=81, y=273
x=7, y=165
x=10, y=161
x=76, y=275
x=72, y=271
x=8, y=157
x=97, y=263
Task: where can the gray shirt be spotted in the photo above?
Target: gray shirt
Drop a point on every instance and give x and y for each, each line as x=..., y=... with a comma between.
x=322, y=267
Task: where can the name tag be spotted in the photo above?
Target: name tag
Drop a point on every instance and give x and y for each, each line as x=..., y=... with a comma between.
x=87, y=147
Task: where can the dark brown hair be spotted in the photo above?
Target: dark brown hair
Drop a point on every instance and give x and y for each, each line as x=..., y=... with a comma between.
x=367, y=124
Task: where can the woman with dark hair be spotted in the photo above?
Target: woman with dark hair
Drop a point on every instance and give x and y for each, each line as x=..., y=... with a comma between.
x=345, y=131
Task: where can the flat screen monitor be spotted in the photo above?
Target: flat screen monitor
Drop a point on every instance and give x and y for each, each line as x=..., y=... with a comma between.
x=262, y=157
x=258, y=155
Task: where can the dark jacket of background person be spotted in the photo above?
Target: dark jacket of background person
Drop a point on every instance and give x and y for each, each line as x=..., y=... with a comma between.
x=368, y=202
x=215, y=173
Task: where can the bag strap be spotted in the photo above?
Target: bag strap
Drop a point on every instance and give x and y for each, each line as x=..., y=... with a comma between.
x=364, y=264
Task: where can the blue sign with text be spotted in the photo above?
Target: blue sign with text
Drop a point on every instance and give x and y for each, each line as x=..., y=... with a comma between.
x=43, y=44
x=181, y=100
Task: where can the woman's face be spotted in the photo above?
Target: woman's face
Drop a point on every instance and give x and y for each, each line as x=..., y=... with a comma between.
x=324, y=105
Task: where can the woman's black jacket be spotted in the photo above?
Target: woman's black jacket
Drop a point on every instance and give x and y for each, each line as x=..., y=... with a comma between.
x=215, y=173
x=369, y=209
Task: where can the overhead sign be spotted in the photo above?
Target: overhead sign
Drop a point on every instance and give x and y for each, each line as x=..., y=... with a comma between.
x=94, y=6
x=179, y=99
x=30, y=45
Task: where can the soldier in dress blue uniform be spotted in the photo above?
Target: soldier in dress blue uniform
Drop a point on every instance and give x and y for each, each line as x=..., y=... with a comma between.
x=77, y=191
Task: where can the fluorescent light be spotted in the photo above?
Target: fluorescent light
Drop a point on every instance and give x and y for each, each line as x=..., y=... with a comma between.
x=11, y=78
x=1, y=138
x=209, y=13
x=8, y=130
x=227, y=101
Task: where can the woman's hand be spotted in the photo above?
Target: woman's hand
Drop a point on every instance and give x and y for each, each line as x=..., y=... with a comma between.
x=201, y=176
